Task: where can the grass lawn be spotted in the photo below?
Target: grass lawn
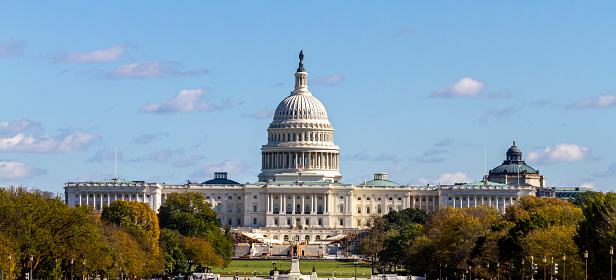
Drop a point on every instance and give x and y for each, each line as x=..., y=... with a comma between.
x=342, y=269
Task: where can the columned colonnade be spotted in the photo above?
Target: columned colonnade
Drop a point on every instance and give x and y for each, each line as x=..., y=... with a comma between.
x=308, y=160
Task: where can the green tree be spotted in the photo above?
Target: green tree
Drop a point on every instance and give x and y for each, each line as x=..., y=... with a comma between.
x=175, y=261
x=597, y=233
x=192, y=216
x=135, y=216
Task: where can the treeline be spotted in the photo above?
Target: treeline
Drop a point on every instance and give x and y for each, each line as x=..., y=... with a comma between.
x=40, y=233
x=484, y=243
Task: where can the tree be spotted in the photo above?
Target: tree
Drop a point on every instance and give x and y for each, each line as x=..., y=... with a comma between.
x=40, y=224
x=135, y=216
x=192, y=216
x=372, y=243
x=200, y=252
x=175, y=261
x=597, y=233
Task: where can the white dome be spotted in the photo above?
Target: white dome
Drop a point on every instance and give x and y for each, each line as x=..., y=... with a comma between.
x=300, y=106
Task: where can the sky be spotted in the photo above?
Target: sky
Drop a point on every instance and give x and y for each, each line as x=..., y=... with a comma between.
x=430, y=92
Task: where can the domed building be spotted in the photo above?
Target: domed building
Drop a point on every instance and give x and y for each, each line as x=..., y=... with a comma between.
x=514, y=171
x=300, y=144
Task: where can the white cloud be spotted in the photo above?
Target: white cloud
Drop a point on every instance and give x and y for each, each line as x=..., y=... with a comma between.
x=188, y=100
x=147, y=138
x=70, y=143
x=11, y=170
x=262, y=114
x=560, y=153
x=11, y=48
x=107, y=55
x=153, y=69
x=446, y=179
x=326, y=80
x=10, y=129
x=466, y=87
x=605, y=100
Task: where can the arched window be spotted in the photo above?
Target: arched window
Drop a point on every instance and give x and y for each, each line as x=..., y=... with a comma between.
x=317, y=238
x=378, y=209
x=296, y=238
x=286, y=238
x=298, y=208
x=328, y=236
x=307, y=238
x=275, y=237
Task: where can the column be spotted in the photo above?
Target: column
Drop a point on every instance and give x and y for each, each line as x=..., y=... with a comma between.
x=468, y=200
x=326, y=206
x=268, y=203
x=283, y=199
x=303, y=208
x=293, y=205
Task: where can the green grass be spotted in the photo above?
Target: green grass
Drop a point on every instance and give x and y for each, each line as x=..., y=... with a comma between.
x=343, y=269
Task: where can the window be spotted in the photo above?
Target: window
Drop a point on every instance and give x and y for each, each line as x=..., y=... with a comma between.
x=230, y=208
x=307, y=237
x=307, y=221
x=367, y=210
x=275, y=197
x=358, y=222
x=254, y=221
x=289, y=208
x=341, y=197
x=76, y=195
x=254, y=208
x=289, y=222
x=230, y=197
x=254, y=197
x=239, y=209
x=288, y=197
x=93, y=196
x=298, y=197
x=239, y=197
x=359, y=210
x=450, y=198
x=359, y=198
x=286, y=238
x=320, y=221
x=320, y=197
x=379, y=199
x=239, y=222
x=390, y=208
x=307, y=208
x=320, y=208
x=276, y=208
x=207, y=197
x=219, y=221
x=342, y=222
x=367, y=198
x=399, y=198
x=307, y=197
x=391, y=198
x=276, y=223
x=317, y=238
x=341, y=208
x=430, y=199
x=230, y=221
x=275, y=236
x=378, y=209
x=106, y=195
x=219, y=197
x=218, y=207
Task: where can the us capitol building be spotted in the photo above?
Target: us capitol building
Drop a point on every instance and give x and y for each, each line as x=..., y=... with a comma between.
x=300, y=195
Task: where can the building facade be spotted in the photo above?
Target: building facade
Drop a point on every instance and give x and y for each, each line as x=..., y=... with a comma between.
x=300, y=195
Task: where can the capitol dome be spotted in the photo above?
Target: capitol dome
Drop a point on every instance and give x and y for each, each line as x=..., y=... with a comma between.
x=300, y=144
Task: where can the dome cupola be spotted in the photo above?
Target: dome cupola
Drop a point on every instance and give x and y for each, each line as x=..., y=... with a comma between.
x=300, y=138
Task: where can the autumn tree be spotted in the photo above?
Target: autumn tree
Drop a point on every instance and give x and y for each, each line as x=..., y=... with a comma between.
x=135, y=216
x=192, y=216
x=401, y=228
x=372, y=242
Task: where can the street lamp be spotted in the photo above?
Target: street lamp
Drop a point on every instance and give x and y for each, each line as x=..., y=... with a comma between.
x=470, y=272
x=586, y=271
x=564, y=266
x=355, y=273
x=31, y=260
x=545, y=261
x=72, y=268
x=498, y=271
x=611, y=263
x=9, y=266
x=84, y=268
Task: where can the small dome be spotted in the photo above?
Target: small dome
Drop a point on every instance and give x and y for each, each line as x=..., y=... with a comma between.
x=514, y=150
x=300, y=106
x=220, y=178
x=513, y=168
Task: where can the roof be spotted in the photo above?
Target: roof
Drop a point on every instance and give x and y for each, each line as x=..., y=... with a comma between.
x=220, y=181
x=481, y=184
x=385, y=183
x=514, y=168
x=117, y=181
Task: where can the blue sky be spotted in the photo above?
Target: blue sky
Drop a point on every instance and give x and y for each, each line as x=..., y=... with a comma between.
x=417, y=89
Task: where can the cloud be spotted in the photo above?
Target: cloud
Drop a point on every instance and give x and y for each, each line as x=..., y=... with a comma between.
x=107, y=55
x=611, y=171
x=10, y=129
x=326, y=80
x=446, y=179
x=188, y=100
x=404, y=31
x=498, y=114
x=105, y=155
x=147, y=138
x=207, y=171
x=11, y=48
x=365, y=157
x=430, y=156
x=23, y=137
x=153, y=69
x=468, y=87
x=560, y=153
x=605, y=100
x=12, y=170
x=191, y=161
x=262, y=114
x=160, y=156
x=444, y=143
